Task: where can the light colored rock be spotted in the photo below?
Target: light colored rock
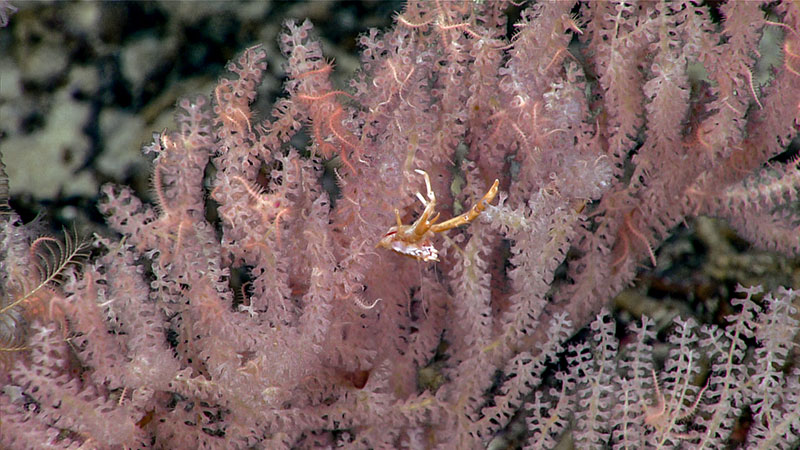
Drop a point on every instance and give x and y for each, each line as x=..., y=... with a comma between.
x=46, y=163
x=123, y=135
x=142, y=59
x=45, y=63
x=84, y=80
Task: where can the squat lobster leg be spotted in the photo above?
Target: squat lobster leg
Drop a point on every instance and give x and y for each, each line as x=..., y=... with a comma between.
x=415, y=240
x=422, y=225
x=470, y=215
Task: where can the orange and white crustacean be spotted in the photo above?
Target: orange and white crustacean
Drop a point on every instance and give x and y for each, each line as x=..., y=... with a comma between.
x=415, y=240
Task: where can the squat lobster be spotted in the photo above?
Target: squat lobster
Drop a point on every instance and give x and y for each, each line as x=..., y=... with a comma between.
x=415, y=240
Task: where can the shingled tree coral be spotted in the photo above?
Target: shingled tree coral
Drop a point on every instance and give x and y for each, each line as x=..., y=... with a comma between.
x=251, y=308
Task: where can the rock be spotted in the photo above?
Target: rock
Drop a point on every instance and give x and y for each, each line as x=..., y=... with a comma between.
x=45, y=164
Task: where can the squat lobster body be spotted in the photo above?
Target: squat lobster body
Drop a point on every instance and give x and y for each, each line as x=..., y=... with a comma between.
x=415, y=240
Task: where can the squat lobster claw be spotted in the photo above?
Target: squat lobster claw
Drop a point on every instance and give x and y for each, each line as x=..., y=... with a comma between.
x=415, y=240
